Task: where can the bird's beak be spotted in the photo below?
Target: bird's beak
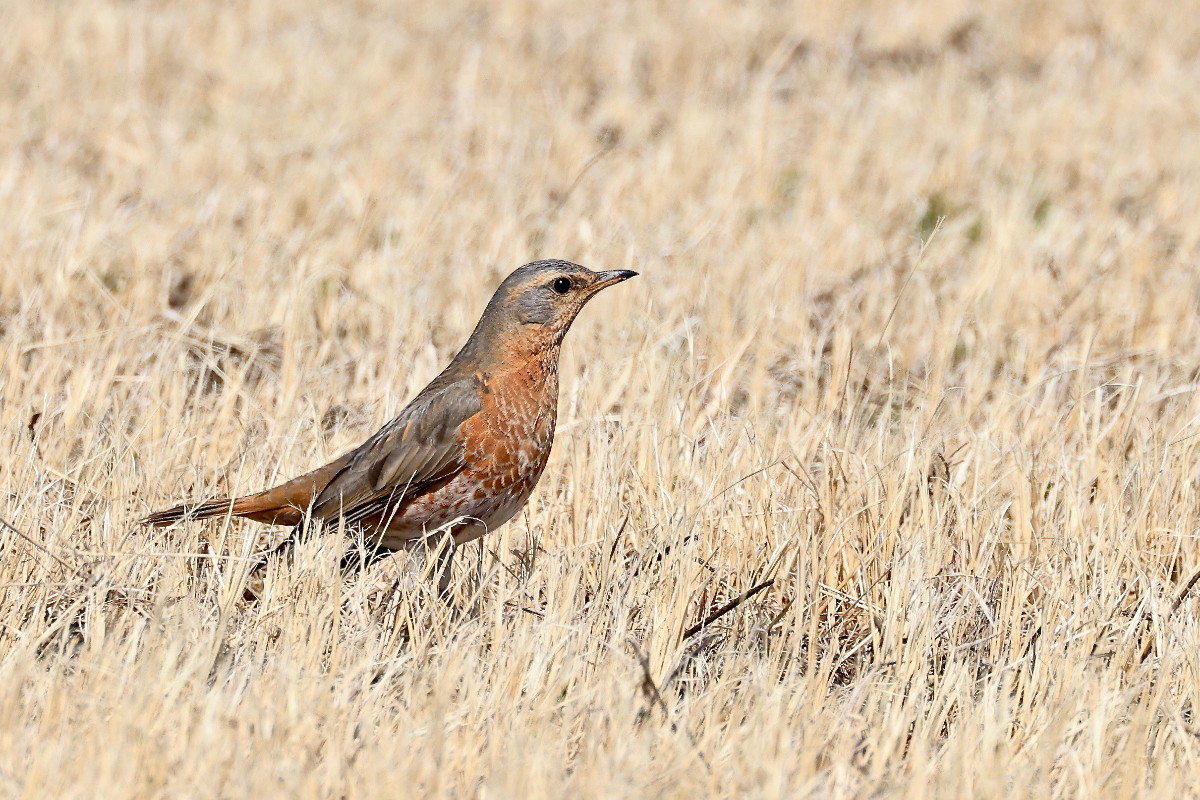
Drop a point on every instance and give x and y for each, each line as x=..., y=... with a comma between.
x=610, y=277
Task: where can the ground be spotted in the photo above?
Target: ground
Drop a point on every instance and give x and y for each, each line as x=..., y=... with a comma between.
x=916, y=338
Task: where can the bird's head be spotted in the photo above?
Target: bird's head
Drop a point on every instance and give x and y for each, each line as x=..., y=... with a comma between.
x=529, y=314
x=547, y=295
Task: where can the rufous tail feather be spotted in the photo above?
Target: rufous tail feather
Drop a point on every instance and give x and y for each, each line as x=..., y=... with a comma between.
x=282, y=505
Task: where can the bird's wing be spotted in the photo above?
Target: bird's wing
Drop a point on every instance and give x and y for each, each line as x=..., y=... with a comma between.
x=421, y=446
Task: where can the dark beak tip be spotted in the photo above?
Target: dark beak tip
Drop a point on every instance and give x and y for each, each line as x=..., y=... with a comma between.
x=612, y=277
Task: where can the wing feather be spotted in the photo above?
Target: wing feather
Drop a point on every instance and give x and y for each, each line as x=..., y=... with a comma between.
x=421, y=446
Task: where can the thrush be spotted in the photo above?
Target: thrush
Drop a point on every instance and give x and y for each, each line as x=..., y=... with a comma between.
x=464, y=455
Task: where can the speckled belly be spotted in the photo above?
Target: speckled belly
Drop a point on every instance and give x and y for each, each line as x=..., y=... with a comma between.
x=507, y=446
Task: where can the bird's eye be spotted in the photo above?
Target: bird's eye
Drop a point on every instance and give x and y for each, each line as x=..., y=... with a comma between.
x=561, y=285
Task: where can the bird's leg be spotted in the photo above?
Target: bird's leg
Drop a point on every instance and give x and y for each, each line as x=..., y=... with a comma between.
x=361, y=556
x=432, y=558
x=478, y=591
x=445, y=563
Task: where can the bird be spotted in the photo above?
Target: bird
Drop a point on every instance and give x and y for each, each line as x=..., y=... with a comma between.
x=462, y=458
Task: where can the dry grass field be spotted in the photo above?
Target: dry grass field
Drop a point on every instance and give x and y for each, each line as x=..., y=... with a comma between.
x=917, y=336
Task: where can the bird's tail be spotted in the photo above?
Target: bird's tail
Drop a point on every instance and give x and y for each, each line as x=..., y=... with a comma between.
x=255, y=507
x=189, y=511
x=283, y=505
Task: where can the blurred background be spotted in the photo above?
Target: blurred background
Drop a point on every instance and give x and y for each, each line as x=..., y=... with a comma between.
x=915, y=335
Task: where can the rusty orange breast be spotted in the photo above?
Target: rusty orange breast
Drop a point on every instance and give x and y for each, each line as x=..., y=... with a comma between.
x=506, y=446
x=508, y=442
